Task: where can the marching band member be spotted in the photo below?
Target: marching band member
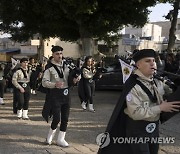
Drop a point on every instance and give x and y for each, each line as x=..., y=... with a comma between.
x=56, y=79
x=137, y=113
x=21, y=80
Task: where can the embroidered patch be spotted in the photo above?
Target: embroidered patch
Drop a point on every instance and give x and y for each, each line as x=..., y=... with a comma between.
x=150, y=127
x=24, y=85
x=129, y=97
x=66, y=91
x=146, y=104
x=91, y=80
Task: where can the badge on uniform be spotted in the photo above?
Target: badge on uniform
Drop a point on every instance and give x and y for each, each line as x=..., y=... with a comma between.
x=66, y=91
x=129, y=97
x=56, y=76
x=91, y=80
x=150, y=127
x=146, y=104
x=24, y=85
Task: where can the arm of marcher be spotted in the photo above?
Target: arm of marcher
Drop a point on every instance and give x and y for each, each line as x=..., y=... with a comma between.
x=46, y=82
x=15, y=80
x=87, y=74
x=170, y=106
x=76, y=80
x=139, y=107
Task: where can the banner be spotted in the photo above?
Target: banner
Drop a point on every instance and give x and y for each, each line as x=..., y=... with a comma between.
x=81, y=62
x=14, y=63
x=44, y=59
x=126, y=70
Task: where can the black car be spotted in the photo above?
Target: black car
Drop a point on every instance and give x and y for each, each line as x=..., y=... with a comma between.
x=112, y=78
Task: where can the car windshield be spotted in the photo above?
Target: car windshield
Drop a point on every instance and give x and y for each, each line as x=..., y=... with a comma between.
x=113, y=67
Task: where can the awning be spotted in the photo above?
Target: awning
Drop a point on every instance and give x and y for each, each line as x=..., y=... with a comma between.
x=10, y=50
x=24, y=55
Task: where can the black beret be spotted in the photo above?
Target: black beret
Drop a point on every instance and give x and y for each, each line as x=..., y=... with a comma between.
x=56, y=48
x=143, y=53
x=23, y=59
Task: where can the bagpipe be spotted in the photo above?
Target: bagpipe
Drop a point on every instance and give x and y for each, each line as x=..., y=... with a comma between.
x=174, y=96
x=74, y=70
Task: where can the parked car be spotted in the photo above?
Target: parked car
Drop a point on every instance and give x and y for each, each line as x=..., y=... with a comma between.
x=112, y=78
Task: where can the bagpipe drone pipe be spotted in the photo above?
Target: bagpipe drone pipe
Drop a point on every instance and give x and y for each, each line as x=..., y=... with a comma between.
x=174, y=96
x=75, y=71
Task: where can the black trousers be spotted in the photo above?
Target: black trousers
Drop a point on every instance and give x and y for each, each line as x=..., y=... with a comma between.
x=60, y=114
x=145, y=148
x=15, y=100
x=81, y=91
x=60, y=102
x=89, y=92
x=2, y=85
x=137, y=129
x=33, y=84
x=33, y=80
x=23, y=98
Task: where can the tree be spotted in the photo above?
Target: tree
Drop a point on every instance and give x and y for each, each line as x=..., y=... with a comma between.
x=71, y=19
x=172, y=16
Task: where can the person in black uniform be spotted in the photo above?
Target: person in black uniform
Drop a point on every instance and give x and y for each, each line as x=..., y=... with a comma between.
x=9, y=76
x=2, y=83
x=86, y=85
x=138, y=110
x=34, y=75
x=21, y=80
x=56, y=78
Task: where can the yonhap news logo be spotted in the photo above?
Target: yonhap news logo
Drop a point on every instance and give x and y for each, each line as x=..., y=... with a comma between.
x=103, y=139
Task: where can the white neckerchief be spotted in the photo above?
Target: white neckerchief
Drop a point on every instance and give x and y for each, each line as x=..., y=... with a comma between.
x=150, y=80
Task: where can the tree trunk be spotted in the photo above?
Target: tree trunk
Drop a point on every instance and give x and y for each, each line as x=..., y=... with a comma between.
x=172, y=30
x=40, y=49
x=88, y=46
x=95, y=46
x=110, y=50
x=87, y=40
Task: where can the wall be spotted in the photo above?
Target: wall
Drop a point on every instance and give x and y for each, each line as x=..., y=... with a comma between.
x=134, y=31
x=70, y=49
x=6, y=57
x=6, y=43
x=28, y=49
x=156, y=33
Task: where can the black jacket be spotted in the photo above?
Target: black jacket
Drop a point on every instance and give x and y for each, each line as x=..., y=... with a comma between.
x=117, y=124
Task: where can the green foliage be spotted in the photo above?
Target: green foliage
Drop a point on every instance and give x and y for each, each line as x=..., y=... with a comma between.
x=167, y=1
x=70, y=19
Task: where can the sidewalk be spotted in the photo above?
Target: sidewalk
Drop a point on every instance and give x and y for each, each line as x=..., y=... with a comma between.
x=28, y=136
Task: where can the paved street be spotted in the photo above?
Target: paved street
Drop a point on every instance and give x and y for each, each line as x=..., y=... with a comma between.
x=28, y=136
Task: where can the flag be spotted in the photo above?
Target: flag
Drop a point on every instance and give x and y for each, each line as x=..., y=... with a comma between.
x=44, y=59
x=14, y=63
x=126, y=70
x=81, y=62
